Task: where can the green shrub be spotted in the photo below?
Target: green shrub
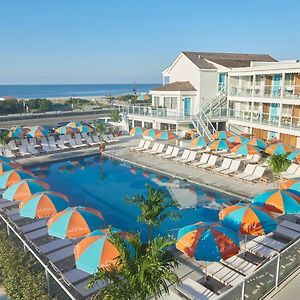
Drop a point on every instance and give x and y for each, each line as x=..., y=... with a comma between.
x=278, y=164
x=19, y=273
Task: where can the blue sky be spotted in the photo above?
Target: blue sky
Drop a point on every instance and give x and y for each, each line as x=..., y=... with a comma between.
x=125, y=41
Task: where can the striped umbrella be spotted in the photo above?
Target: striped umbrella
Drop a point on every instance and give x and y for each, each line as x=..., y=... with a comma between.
x=17, y=129
x=150, y=133
x=257, y=143
x=24, y=189
x=295, y=155
x=44, y=204
x=13, y=176
x=279, y=201
x=237, y=139
x=199, y=141
x=245, y=149
x=166, y=135
x=221, y=135
x=16, y=133
x=144, y=97
x=278, y=149
x=96, y=251
x=84, y=129
x=8, y=166
x=247, y=219
x=73, y=124
x=4, y=159
x=75, y=222
x=136, y=131
x=220, y=145
x=291, y=184
x=64, y=130
x=38, y=132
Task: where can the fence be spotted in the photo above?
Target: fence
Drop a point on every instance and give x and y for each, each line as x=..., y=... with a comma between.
x=268, y=277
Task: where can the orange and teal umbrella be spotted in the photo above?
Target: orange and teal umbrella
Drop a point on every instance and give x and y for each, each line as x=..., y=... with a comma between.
x=278, y=149
x=199, y=141
x=13, y=176
x=207, y=242
x=84, y=129
x=8, y=166
x=245, y=149
x=257, y=143
x=73, y=124
x=221, y=135
x=38, y=132
x=43, y=205
x=75, y=222
x=4, y=159
x=220, y=145
x=151, y=133
x=295, y=155
x=64, y=130
x=16, y=133
x=136, y=131
x=166, y=135
x=24, y=189
x=279, y=201
x=144, y=97
x=97, y=251
x=291, y=184
x=237, y=139
x=247, y=219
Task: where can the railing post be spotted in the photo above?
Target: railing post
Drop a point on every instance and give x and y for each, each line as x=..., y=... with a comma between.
x=243, y=290
x=277, y=271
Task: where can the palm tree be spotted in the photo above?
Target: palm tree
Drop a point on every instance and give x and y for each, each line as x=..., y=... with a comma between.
x=115, y=116
x=154, y=209
x=141, y=271
x=278, y=164
x=4, y=139
x=101, y=129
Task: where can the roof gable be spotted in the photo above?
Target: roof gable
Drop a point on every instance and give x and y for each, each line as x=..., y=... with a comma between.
x=178, y=86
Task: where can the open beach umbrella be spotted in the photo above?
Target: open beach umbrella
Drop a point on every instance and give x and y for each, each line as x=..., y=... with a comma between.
x=84, y=129
x=64, y=130
x=237, y=139
x=16, y=133
x=24, y=189
x=221, y=135
x=278, y=149
x=8, y=166
x=38, y=132
x=291, y=184
x=150, y=133
x=73, y=124
x=136, y=131
x=96, y=251
x=166, y=135
x=279, y=201
x=144, y=97
x=75, y=222
x=199, y=141
x=207, y=242
x=257, y=143
x=220, y=145
x=295, y=155
x=13, y=176
x=43, y=204
x=245, y=149
x=4, y=159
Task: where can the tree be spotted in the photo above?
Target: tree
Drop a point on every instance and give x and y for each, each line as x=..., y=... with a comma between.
x=4, y=139
x=154, y=209
x=278, y=164
x=101, y=129
x=115, y=116
x=141, y=271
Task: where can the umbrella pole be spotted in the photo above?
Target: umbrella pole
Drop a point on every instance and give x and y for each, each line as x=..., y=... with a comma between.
x=205, y=271
x=245, y=247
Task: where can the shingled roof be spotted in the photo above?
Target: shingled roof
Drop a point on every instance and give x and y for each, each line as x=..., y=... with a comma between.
x=229, y=60
x=181, y=86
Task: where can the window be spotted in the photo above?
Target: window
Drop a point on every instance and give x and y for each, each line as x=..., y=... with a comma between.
x=166, y=79
x=156, y=101
x=170, y=102
x=289, y=79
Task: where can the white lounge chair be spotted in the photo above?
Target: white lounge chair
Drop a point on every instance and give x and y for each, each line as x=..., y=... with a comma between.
x=153, y=149
x=62, y=145
x=173, y=154
x=257, y=174
x=96, y=139
x=291, y=170
x=249, y=170
x=79, y=143
x=112, y=138
x=8, y=153
x=241, y=265
x=211, y=162
x=23, y=151
x=89, y=141
x=184, y=155
x=234, y=166
x=269, y=242
x=145, y=147
x=32, y=141
x=46, y=148
x=159, y=150
x=203, y=160
x=191, y=157
x=260, y=250
x=225, y=165
x=32, y=150
x=24, y=142
x=168, y=152
x=12, y=145
x=140, y=145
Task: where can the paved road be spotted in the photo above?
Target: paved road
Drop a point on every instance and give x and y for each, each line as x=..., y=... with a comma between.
x=51, y=120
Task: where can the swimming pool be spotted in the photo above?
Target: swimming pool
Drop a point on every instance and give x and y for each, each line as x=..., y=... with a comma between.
x=103, y=183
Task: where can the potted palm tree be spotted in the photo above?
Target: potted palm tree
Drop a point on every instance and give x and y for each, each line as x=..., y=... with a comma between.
x=101, y=129
x=4, y=139
x=278, y=164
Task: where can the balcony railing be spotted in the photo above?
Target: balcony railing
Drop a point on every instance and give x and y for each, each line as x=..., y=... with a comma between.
x=269, y=91
x=289, y=122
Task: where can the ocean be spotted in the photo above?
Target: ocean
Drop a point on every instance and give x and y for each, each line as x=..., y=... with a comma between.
x=71, y=90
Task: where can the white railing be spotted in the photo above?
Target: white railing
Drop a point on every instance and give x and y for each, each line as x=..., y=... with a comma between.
x=268, y=277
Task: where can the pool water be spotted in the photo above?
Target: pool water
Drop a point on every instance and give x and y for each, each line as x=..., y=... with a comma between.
x=103, y=183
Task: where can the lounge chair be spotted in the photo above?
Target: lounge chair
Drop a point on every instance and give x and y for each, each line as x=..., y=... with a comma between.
x=75, y=275
x=203, y=160
x=235, y=164
x=168, y=152
x=257, y=174
x=12, y=145
x=153, y=149
x=255, y=159
x=46, y=148
x=112, y=138
x=173, y=154
x=34, y=226
x=61, y=254
x=54, y=245
x=86, y=292
x=62, y=145
x=232, y=155
x=24, y=142
x=241, y=265
x=286, y=233
x=145, y=147
x=290, y=225
x=89, y=141
x=190, y=158
x=171, y=296
x=260, y=250
x=23, y=151
x=32, y=141
x=211, y=162
x=193, y=290
x=8, y=153
x=32, y=150
x=37, y=234
x=269, y=242
x=225, y=165
x=96, y=139
x=291, y=170
x=159, y=150
x=79, y=143
x=140, y=145
x=52, y=144
x=249, y=170
x=184, y=155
